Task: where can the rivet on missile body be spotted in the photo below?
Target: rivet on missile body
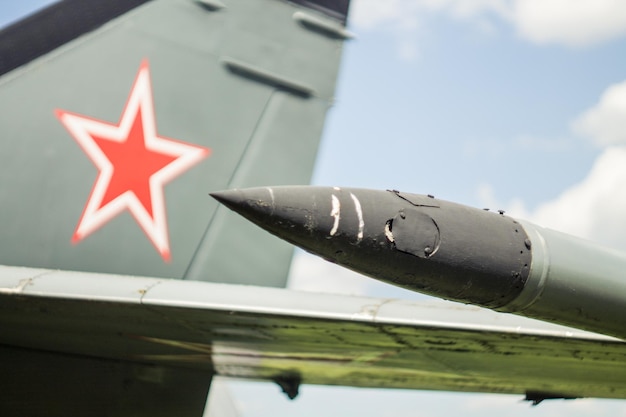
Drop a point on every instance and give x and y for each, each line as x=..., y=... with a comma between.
x=501, y=212
x=527, y=243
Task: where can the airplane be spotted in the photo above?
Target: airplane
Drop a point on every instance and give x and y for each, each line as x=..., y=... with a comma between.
x=173, y=282
x=123, y=116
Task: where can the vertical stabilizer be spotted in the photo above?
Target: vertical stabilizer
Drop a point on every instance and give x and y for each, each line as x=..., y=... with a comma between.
x=121, y=116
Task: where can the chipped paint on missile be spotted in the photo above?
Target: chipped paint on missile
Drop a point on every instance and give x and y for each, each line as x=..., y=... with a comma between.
x=359, y=214
x=335, y=212
x=388, y=233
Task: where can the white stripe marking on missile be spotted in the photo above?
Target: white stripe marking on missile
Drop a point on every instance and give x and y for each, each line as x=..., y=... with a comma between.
x=335, y=212
x=271, y=196
x=359, y=214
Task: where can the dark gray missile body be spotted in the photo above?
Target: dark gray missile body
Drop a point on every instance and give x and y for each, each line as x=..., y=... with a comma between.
x=448, y=250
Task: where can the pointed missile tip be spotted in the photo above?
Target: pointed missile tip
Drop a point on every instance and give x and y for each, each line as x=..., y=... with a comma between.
x=222, y=196
x=251, y=203
x=233, y=199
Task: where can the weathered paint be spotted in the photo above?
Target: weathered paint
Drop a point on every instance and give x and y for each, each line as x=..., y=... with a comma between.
x=359, y=216
x=335, y=213
x=266, y=333
x=440, y=248
x=454, y=252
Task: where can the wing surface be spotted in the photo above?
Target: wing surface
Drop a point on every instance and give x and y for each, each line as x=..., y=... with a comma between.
x=161, y=327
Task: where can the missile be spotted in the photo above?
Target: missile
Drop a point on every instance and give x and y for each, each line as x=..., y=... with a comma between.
x=448, y=250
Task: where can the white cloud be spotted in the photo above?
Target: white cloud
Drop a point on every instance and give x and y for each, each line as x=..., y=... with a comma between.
x=562, y=22
x=405, y=19
x=593, y=209
x=396, y=17
x=487, y=198
x=596, y=207
x=311, y=273
x=374, y=14
x=539, y=144
x=510, y=405
x=569, y=22
x=605, y=122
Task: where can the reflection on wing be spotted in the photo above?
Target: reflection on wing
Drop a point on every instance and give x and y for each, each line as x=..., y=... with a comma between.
x=283, y=335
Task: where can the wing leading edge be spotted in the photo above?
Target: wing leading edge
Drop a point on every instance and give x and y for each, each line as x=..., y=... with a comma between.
x=159, y=330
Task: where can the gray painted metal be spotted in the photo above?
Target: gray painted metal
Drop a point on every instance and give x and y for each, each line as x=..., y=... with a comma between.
x=76, y=358
x=574, y=282
x=42, y=383
x=448, y=250
x=266, y=333
x=258, y=133
x=413, y=241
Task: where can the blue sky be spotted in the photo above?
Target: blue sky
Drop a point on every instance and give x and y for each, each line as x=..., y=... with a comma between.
x=508, y=104
x=503, y=104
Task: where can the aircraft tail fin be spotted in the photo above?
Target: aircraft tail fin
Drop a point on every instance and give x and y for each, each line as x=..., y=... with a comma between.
x=123, y=115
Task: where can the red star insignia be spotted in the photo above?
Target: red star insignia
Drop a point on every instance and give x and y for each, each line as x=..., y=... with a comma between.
x=134, y=165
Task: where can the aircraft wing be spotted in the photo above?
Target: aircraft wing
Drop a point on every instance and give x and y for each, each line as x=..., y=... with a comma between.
x=174, y=334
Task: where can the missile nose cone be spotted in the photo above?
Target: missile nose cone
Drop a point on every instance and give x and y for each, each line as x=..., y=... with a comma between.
x=267, y=207
x=447, y=250
x=243, y=201
x=409, y=240
x=229, y=198
x=319, y=219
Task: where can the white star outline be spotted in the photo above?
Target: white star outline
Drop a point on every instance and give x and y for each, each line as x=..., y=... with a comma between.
x=82, y=128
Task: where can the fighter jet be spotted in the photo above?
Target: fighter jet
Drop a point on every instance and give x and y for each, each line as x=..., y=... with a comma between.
x=125, y=289
x=119, y=117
